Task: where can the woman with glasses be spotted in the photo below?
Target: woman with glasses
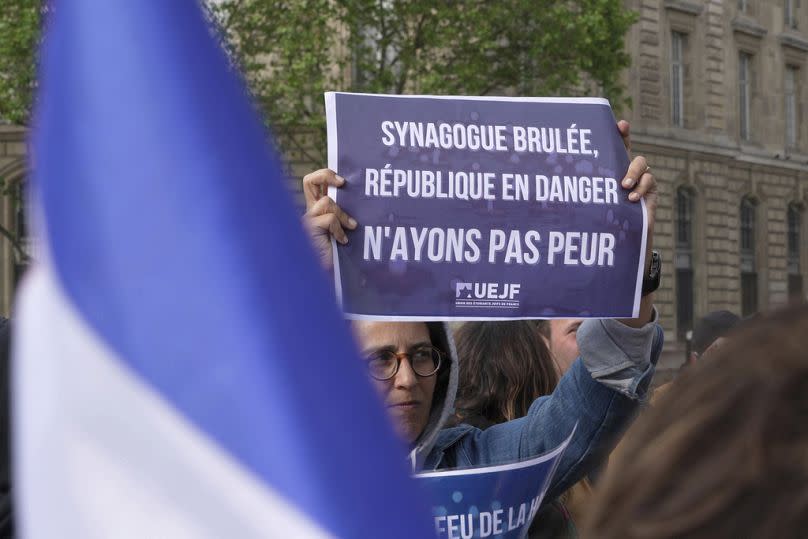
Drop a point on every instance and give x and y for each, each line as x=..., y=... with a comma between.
x=411, y=366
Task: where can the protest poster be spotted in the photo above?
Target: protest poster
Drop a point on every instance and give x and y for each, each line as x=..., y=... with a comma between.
x=483, y=208
x=491, y=501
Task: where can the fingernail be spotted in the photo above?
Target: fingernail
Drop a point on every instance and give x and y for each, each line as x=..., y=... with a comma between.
x=352, y=222
x=627, y=182
x=634, y=197
x=341, y=179
x=343, y=240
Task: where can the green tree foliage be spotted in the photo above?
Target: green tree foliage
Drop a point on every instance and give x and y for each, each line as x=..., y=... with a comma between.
x=291, y=51
x=20, y=32
x=19, y=38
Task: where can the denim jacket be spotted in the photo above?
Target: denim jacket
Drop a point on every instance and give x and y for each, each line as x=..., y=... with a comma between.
x=601, y=392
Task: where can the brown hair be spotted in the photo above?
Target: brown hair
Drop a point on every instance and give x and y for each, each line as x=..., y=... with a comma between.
x=440, y=340
x=724, y=452
x=543, y=326
x=506, y=366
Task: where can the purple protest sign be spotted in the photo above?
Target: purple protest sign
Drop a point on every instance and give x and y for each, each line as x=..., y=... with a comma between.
x=490, y=501
x=483, y=208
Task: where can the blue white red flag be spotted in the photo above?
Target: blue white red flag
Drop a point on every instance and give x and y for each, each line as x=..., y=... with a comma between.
x=181, y=368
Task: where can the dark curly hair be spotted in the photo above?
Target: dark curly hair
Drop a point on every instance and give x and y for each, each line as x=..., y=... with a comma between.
x=506, y=366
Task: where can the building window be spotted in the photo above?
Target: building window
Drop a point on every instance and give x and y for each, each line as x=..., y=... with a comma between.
x=790, y=12
x=749, y=277
x=744, y=91
x=790, y=91
x=795, y=288
x=683, y=261
x=677, y=79
x=743, y=6
x=22, y=255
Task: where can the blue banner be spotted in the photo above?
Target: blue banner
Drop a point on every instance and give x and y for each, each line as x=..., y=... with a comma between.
x=483, y=208
x=493, y=501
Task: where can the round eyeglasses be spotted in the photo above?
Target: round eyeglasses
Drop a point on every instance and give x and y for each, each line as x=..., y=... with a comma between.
x=384, y=364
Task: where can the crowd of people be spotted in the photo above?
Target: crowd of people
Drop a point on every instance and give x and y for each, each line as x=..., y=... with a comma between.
x=722, y=451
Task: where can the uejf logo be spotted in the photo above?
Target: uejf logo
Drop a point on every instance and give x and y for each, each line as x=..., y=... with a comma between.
x=463, y=290
x=502, y=295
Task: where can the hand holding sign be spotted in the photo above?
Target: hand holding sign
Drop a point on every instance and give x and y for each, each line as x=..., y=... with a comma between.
x=639, y=175
x=642, y=182
x=324, y=219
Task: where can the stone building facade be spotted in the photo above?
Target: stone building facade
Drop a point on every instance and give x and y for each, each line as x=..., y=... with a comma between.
x=719, y=94
x=13, y=163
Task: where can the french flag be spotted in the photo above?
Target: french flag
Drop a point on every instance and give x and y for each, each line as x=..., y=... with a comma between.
x=180, y=367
